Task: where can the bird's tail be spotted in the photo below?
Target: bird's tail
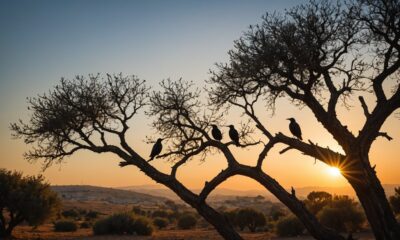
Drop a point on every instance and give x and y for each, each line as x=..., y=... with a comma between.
x=151, y=159
x=301, y=138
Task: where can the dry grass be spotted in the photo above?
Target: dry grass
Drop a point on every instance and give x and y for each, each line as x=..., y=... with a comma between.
x=46, y=232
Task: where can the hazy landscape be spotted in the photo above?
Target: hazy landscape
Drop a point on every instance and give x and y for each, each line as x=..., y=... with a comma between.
x=107, y=201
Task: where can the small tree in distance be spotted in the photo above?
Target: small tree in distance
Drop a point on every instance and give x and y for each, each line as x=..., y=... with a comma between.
x=27, y=199
x=342, y=215
x=316, y=200
x=248, y=217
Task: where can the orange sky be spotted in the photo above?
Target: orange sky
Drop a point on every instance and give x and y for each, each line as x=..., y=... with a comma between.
x=43, y=46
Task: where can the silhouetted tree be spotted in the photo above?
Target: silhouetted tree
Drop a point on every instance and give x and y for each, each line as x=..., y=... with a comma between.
x=299, y=55
x=27, y=199
x=316, y=200
x=187, y=221
x=342, y=214
x=248, y=217
x=289, y=226
x=316, y=56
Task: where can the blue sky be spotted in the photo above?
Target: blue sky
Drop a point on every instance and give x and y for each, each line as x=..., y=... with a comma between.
x=42, y=41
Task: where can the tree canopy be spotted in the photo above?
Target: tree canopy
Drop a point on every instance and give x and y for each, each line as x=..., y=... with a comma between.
x=27, y=199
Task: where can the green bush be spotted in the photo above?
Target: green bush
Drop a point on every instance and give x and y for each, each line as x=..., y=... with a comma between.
x=123, y=223
x=342, y=215
x=142, y=226
x=65, y=226
x=289, y=226
x=187, y=221
x=160, y=222
x=248, y=217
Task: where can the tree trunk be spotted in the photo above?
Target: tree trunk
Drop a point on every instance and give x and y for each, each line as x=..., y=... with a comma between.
x=219, y=222
x=373, y=199
x=316, y=229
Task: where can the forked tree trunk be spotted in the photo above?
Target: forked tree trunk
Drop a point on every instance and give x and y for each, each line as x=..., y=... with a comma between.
x=220, y=223
x=217, y=220
x=372, y=197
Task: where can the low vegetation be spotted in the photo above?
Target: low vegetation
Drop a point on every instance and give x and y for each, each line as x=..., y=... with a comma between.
x=160, y=222
x=289, y=226
x=123, y=223
x=65, y=226
x=187, y=221
x=341, y=213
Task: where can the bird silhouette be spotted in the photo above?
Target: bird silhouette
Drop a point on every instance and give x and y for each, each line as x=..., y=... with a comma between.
x=294, y=128
x=157, y=147
x=234, y=135
x=216, y=133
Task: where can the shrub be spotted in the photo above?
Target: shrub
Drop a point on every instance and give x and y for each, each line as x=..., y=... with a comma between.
x=85, y=225
x=342, y=215
x=142, y=226
x=102, y=227
x=289, y=226
x=187, y=221
x=160, y=223
x=123, y=223
x=65, y=226
x=119, y=223
x=248, y=217
x=70, y=213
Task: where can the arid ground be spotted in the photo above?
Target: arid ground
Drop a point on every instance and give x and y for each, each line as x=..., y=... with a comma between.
x=46, y=232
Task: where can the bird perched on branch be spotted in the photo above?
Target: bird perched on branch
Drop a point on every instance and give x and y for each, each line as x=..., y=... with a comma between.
x=234, y=135
x=216, y=133
x=294, y=128
x=157, y=147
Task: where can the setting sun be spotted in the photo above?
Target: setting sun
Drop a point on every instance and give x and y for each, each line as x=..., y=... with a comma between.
x=334, y=171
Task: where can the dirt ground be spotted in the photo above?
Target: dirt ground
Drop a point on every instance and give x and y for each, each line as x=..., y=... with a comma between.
x=46, y=232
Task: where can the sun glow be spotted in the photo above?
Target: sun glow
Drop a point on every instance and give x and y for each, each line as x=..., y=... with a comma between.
x=334, y=171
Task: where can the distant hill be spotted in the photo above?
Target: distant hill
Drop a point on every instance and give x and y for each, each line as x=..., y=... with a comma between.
x=224, y=193
x=108, y=195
